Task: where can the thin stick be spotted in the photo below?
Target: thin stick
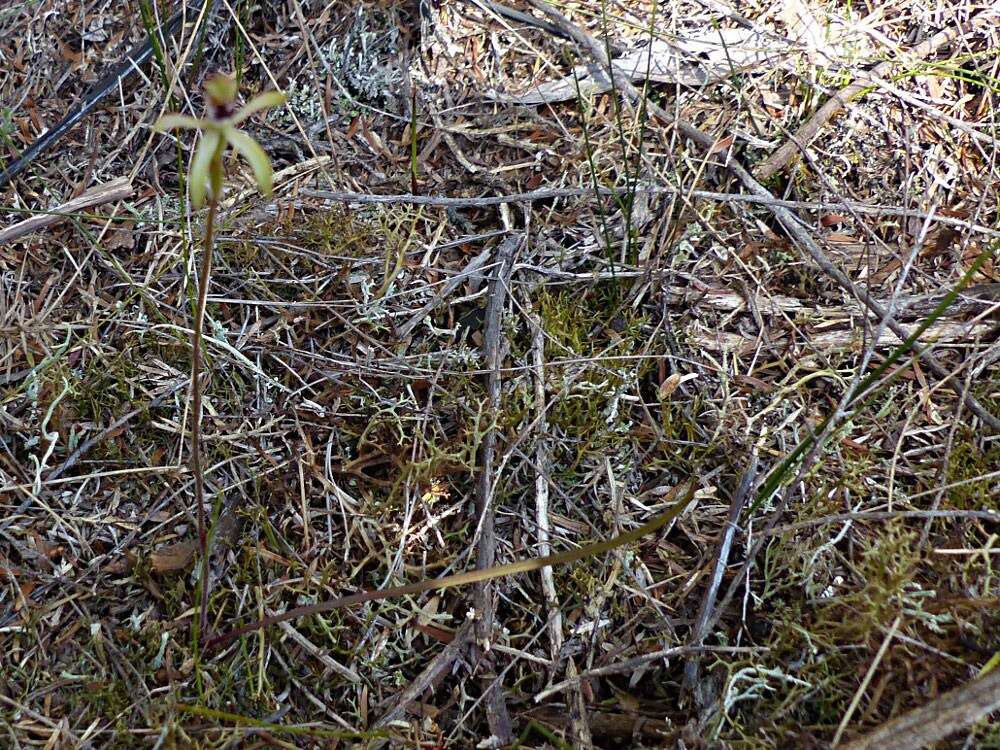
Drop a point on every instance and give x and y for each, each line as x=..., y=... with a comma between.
x=542, y=194
x=136, y=56
x=85, y=446
x=808, y=451
x=780, y=157
x=554, y=616
x=431, y=675
x=496, y=707
x=794, y=226
x=579, y=724
x=471, y=269
x=700, y=631
x=636, y=662
x=108, y=192
x=983, y=515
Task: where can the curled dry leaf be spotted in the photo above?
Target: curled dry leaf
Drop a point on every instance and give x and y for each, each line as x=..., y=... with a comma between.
x=174, y=557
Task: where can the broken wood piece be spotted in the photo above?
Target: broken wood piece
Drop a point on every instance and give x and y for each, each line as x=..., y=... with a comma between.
x=696, y=61
x=484, y=593
x=946, y=714
x=108, y=192
x=609, y=724
x=433, y=673
x=472, y=269
x=976, y=299
x=783, y=155
x=942, y=333
x=542, y=517
x=692, y=684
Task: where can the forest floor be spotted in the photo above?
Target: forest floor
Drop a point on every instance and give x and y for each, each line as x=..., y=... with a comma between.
x=755, y=270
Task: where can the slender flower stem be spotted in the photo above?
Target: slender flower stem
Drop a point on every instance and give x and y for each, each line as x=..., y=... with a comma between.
x=196, y=408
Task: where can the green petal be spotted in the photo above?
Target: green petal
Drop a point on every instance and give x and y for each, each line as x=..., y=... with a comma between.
x=255, y=155
x=198, y=172
x=172, y=121
x=266, y=100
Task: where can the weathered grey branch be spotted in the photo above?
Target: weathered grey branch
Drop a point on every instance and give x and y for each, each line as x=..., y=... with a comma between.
x=948, y=713
x=484, y=593
x=341, y=196
x=116, y=190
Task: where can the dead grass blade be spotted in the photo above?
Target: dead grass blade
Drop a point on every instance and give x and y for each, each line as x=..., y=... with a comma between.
x=473, y=576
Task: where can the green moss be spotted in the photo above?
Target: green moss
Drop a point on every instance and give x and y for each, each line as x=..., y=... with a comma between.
x=967, y=463
x=315, y=245
x=580, y=327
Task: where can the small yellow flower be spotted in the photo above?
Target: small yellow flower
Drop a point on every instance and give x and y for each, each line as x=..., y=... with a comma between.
x=218, y=130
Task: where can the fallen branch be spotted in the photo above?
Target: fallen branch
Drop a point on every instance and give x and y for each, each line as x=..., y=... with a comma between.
x=942, y=333
x=542, y=194
x=944, y=715
x=554, y=616
x=629, y=666
x=975, y=300
x=780, y=157
x=620, y=726
x=116, y=190
x=692, y=667
x=432, y=674
x=472, y=269
x=484, y=594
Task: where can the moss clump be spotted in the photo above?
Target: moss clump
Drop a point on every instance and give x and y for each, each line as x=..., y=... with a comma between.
x=301, y=258
x=969, y=463
x=579, y=328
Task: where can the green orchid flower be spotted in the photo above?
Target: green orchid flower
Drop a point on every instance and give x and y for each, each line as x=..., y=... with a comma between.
x=219, y=130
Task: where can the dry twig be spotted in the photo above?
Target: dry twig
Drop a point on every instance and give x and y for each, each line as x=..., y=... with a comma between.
x=431, y=675
x=108, y=192
x=700, y=629
x=781, y=157
x=944, y=715
x=554, y=616
x=483, y=596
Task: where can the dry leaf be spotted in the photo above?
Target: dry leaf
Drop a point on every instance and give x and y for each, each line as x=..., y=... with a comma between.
x=174, y=557
x=669, y=385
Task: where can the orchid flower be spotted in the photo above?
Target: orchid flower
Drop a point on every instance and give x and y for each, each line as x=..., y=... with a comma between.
x=219, y=130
